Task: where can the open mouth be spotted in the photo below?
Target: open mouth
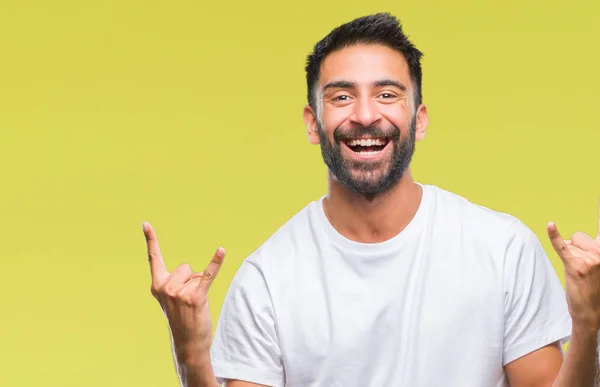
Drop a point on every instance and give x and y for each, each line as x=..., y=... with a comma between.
x=369, y=146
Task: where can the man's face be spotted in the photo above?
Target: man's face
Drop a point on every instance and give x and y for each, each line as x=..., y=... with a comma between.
x=366, y=119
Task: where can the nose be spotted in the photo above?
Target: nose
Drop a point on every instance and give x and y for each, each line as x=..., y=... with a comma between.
x=365, y=112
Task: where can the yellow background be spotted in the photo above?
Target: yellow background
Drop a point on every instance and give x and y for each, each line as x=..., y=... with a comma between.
x=187, y=114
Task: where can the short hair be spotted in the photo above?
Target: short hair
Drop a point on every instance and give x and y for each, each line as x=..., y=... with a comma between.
x=380, y=28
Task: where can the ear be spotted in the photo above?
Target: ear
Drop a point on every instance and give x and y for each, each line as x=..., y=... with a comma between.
x=422, y=122
x=312, y=129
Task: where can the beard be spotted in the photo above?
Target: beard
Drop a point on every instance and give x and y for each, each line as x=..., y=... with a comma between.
x=367, y=177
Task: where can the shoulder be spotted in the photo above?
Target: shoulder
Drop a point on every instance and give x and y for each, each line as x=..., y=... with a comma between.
x=459, y=207
x=274, y=257
x=292, y=238
x=477, y=222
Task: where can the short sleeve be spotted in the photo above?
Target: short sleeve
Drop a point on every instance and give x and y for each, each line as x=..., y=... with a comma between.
x=536, y=311
x=245, y=346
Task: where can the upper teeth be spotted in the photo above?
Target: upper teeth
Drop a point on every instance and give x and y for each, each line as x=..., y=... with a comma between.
x=366, y=142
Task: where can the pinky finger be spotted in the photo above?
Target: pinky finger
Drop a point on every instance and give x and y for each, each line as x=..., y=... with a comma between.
x=213, y=268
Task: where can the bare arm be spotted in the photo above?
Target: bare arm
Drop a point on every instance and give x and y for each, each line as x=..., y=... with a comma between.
x=581, y=363
x=199, y=373
x=240, y=383
x=581, y=258
x=196, y=373
x=536, y=369
x=545, y=367
x=183, y=298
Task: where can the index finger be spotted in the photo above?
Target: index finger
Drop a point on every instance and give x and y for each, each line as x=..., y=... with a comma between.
x=558, y=243
x=158, y=269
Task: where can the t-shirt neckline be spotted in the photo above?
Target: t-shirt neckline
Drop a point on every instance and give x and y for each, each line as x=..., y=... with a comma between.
x=360, y=247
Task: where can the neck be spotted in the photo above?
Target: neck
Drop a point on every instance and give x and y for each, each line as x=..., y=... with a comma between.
x=372, y=219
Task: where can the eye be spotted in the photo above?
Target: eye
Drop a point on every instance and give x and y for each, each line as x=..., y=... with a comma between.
x=341, y=98
x=387, y=95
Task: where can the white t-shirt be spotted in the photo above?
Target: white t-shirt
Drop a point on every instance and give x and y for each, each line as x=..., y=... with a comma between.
x=458, y=294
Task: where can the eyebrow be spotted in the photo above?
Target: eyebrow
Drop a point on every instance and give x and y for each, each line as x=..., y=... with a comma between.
x=390, y=82
x=352, y=85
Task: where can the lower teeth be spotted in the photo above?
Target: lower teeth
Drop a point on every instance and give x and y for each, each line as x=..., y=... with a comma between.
x=367, y=153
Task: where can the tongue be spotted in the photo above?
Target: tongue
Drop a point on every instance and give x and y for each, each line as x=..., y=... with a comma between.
x=372, y=148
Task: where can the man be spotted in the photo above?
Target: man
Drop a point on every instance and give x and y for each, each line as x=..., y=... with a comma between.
x=385, y=281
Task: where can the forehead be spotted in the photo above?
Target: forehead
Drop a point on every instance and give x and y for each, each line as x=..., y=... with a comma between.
x=364, y=64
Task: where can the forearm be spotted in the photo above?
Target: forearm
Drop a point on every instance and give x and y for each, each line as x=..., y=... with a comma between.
x=196, y=371
x=580, y=367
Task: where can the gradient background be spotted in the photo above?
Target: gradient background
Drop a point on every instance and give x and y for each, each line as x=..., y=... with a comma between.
x=188, y=114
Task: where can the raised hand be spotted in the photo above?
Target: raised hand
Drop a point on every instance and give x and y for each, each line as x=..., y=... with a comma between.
x=581, y=258
x=183, y=297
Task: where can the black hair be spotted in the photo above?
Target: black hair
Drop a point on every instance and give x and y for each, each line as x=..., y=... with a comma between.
x=380, y=28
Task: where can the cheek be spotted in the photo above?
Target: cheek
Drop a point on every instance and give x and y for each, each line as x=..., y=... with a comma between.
x=397, y=117
x=402, y=121
x=332, y=118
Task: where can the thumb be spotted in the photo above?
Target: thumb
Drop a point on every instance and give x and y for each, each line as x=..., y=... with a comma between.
x=558, y=243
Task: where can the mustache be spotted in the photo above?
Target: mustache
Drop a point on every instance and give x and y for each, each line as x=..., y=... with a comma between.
x=339, y=134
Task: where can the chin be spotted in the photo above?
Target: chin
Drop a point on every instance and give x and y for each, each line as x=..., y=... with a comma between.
x=368, y=186
x=374, y=176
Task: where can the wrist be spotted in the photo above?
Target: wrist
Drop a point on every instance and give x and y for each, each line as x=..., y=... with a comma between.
x=196, y=361
x=586, y=329
x=191, y=354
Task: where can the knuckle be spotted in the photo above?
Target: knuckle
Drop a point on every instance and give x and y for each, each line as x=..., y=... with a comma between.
x=578, y=235
x=580, y=238
x=169, y=290
x=580, y=269
x=184, y=267
x=179, y=294
x=154, y=290
x=574, y=271
x=187, y=298
x=191, y=301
